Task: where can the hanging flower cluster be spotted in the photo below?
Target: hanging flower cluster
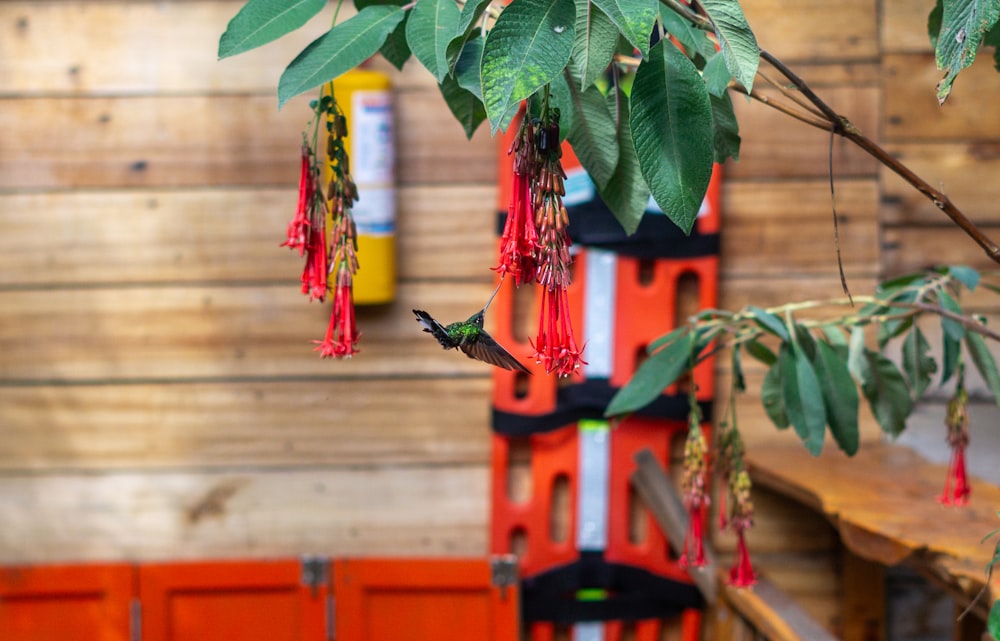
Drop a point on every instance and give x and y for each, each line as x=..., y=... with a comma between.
x=739, y=519
x=694, y=487
x=535, y=242
x=956, y=484
x=334, y=254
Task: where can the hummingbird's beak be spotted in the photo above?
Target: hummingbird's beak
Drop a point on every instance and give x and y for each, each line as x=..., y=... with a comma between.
x=493, y=295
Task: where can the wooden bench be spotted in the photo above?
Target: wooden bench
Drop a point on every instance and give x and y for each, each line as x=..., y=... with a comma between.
x=883, y=502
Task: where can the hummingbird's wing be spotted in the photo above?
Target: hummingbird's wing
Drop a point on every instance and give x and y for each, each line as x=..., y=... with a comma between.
x=434, y=328
x=489, y=351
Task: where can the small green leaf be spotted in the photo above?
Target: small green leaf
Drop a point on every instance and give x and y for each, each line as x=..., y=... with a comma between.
x=467, y=29
x=934, y=23
x=918, y=365
x=771, y=394
x=739, y=382
x=736, y=39
x=634, y=19
x=856, y=354
x=834, y=335
x=769, y=322
x=339, y=50
x=993, y=620
x=656, y=373
x=626, y=193
x=894, y=327
x=429, y=30
x=802, y=397
x=464, y=105
x=951, y=352
x=561, y=98
x=594, y=47
x=593, y=136
x=963, y=24
x=886, y=289
x=671, y=121
x=840, y=397
x=965, y=275
x=984, y=362
x=395, y=49
x=529, y=45
x=694, y=40
x=726, y=129
x=674, y=335
x=884, y=388
x=467, y=67
x=262, y=21
x=761, y=352
x=950, y=326
x=716, y=76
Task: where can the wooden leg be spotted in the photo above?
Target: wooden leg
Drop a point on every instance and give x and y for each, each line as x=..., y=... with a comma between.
x=863, y=603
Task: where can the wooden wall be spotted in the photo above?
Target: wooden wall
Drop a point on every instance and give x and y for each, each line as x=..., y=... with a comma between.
x=159, y=396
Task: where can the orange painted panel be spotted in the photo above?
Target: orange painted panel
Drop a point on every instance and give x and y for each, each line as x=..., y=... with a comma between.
x=422, y=600
x=236, y=601
x=66, y=603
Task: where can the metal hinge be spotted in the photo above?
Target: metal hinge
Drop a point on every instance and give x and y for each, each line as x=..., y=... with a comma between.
x=315, y=573
x=135, y=620
x=503, y=572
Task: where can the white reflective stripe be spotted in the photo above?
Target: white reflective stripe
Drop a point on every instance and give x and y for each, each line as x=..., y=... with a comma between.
x=588, y=631
x=592, y=500
x=599, y=312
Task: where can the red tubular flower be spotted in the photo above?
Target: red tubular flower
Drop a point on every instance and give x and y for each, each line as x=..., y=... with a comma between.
x=555, y=346
x=341, y=334
x=742, y=575
x=297, y=234
x=314, y=274
x=519, y=241
x=693, y=553
x=956, y=483
x=696, y=500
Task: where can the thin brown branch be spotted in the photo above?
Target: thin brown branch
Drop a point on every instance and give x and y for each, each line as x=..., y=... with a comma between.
x=788, y=111
x=794, y=97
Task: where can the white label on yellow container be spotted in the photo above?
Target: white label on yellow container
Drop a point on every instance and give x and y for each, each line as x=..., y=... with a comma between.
x=372, y=138
x=375, y=211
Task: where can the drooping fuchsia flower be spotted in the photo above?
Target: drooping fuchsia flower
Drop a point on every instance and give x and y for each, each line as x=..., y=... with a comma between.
x=742, y=574
x=956, y=484
x=341, y=334
x=519, y=241
x=694, y=485
x=297, y=233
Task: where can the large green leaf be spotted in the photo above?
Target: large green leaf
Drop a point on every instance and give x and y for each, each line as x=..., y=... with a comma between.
x=593, y=136
x=695, y=41
x=984, y=362
x=395, y=49
x=467, y=29
x=671, y=121
x=464, y=105
x=918, y=365
x=768, y=321
x=771, y=393
x=429, y=30
x=261, y=21
x=802, y=395
x=993, y=620
x=634, y=19
x=594, y=46
x=840, y=397
x=467, y=66
x=657, y=372
x=884, y=388
x=963, y=25
x=528, y=46
x=726, y=129
x=736, y=40
x=339, y=50
x=626, y=193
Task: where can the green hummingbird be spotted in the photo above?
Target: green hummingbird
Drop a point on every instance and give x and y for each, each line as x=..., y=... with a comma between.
x=471, y=338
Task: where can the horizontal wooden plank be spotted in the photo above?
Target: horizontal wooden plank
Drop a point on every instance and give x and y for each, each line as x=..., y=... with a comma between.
x=787, y=227
x=965, y=172
x=911, y=108
x=394, y=511
x=814, y=29
x=171, y=333
x=256, y=423
x=911, y=249
x=737, y=291
x=187, y=141
x=904, y=26
x=191, y=236
x=778, y=146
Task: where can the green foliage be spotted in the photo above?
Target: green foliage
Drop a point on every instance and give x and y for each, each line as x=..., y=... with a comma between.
x=736, y=41
x=261, y=21
x=430, y=29
x=957, y=34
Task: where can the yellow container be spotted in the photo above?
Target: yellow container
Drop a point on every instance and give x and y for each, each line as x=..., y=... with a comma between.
x=366, y=99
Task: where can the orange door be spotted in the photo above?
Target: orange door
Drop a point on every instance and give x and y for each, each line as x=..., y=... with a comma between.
x=66, y=602
x=423, y=600
x=234, y=601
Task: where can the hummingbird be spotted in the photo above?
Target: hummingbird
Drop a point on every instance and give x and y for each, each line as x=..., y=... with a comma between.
x=471, y=338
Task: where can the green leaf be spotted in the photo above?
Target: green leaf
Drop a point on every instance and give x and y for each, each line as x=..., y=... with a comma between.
x=694, y=40
x=671, y=121
x=771, y=394
x=626, y=193
x=993, y=620
x=464, y=105
x=918, y=365
x=884, y=388
x=674, y=335
x=965, y=275
x=395, y=49
x=739, y=382
x=840, y=397
x=802, y=396
x=950, y=326
x=769, y=322
x=339, y=50
x=835, y=337
x=725, y=127
x=467, y=29
x=761, y=352
x=561, y=98
x=856, y=354
x=934, y=23
x=896, y=326
x=634, y=19
x=951, y=352
x=963, y=24
x=261, y=21
x=593, y=136
x=657, y=372
x=594, y=44
x=429, y=30
x=528, y=46
x=736, y=40
x=887, y=289
x=984, y=362
x=716, y=76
